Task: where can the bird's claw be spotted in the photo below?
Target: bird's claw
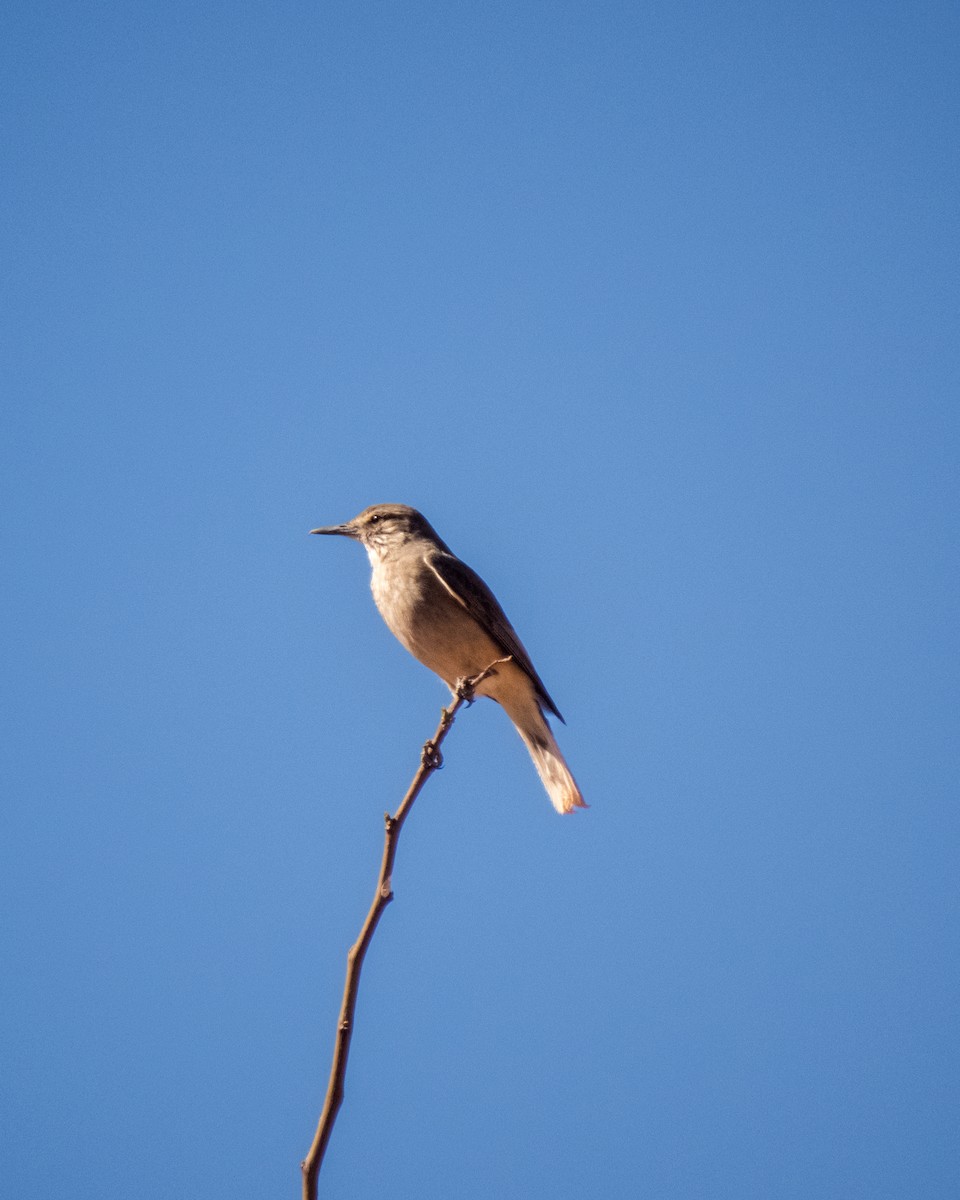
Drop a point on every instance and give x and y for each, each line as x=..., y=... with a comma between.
x=466, y=687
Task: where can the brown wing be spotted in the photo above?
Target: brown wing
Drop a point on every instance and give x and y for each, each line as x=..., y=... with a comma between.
x=468, y=589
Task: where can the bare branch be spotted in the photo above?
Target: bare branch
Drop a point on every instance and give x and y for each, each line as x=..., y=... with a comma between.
x=430, y=760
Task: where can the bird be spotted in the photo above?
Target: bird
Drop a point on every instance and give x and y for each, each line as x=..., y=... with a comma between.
x=440, y=610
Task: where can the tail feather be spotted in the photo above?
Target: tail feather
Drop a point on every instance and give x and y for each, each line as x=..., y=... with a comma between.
x=552, y=769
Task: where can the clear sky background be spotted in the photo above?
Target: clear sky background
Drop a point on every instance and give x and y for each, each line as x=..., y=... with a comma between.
x=652, y=309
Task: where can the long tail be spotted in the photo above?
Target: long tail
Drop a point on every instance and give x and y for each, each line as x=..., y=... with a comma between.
x=551, y=767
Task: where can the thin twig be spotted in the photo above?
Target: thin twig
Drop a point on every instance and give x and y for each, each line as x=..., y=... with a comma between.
x=430, y=760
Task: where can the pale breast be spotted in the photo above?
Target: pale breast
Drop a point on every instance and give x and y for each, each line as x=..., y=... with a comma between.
x=428, y=621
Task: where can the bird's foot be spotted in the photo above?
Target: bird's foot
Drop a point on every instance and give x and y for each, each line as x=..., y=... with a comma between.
x=465, y=688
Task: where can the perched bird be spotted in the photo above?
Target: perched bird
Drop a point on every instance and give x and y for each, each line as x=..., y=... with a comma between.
x=448, y=618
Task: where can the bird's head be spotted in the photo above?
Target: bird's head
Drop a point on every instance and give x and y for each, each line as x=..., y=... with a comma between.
x=382, y=527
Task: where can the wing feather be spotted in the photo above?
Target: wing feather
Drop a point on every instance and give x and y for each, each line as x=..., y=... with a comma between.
x=468, y=589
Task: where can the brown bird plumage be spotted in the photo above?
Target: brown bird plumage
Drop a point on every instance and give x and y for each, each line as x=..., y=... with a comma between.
x=448, y=618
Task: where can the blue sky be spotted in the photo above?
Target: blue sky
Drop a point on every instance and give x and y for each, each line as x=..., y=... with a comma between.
x=652, y=309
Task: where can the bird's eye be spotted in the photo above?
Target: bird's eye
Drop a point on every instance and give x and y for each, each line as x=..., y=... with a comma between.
x=375, y=517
